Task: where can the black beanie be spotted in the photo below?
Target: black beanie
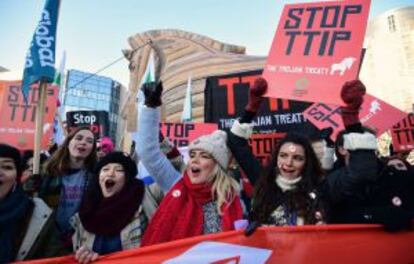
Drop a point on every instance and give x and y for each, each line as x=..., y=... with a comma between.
x=7, y=151
x=129, y=165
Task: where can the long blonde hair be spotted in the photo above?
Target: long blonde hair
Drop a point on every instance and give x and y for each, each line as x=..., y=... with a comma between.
x=225, y=189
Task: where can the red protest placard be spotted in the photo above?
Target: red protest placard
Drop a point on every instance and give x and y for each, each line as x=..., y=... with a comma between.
x=18, y=119
x=316, y=48
x=375, y=113
x=403, y=134
x=263, y=144
x=181, y=134
x=2, y=92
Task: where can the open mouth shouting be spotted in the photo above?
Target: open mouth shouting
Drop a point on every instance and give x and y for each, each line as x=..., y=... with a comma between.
x=81, y=150
x=111, y=179
x=109, y=184
x=195, y=171
x=200, y=166
x=286, y=170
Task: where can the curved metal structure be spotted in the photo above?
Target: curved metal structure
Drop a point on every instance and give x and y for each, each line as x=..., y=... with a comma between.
x=178, y=55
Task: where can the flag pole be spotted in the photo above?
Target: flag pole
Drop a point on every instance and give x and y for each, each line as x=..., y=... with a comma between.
x=60, y=121
x=40, y=112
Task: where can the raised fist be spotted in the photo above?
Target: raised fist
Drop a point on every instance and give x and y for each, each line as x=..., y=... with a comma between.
x=352, y=94
x=152, y=92
x=256, y=92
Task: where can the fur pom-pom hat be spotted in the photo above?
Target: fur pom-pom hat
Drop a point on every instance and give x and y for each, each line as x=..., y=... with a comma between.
x=216, y=145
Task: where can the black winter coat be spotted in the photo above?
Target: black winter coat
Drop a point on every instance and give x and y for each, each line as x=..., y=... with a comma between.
x=252, y=168
x=367, y=191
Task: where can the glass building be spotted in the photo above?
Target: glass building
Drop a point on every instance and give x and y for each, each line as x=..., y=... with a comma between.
x=85, y=91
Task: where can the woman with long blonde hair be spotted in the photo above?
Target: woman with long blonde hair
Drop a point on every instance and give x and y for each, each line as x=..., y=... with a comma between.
x=201, y=200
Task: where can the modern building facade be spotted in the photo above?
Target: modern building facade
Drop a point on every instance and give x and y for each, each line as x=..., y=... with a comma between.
x=179, y=55
x=388, y=67
x=85, y=91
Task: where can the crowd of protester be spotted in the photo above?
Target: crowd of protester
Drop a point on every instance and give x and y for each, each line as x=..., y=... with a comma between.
x=88, y=200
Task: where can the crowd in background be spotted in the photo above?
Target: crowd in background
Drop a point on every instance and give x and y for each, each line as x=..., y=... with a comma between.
x=89, y=201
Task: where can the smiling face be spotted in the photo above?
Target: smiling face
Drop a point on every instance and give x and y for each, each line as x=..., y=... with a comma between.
x=291, y=160
x=200, y=166
x=8, y=175
x=111, y=179
x=81, y=145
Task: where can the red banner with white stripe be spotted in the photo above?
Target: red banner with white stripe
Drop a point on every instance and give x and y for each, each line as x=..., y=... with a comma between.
x=303, y=244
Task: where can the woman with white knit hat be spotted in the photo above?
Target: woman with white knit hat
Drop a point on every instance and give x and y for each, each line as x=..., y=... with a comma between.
x=201, y=200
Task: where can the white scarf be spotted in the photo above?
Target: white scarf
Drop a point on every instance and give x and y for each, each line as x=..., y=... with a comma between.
x=286, y=184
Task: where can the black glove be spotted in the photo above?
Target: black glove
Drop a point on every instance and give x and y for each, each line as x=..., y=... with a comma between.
x=393, y=218
x=325, y=134
x=251, y=228
x=152, y=92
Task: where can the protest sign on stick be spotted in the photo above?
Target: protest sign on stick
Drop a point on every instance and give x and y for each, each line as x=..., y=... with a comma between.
x=181, y=134
x=402, y=134
x=18, y=118
x=316, y=48
x=96, y=121
x=375, y=114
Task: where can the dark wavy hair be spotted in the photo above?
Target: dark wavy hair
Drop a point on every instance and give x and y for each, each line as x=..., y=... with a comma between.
x=59, y=162
x=268, y=195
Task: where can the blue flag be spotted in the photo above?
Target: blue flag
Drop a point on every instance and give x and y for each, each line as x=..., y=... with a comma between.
x=40, y=58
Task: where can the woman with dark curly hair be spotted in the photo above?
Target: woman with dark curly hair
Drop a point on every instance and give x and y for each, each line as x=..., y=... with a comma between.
x=286, y=190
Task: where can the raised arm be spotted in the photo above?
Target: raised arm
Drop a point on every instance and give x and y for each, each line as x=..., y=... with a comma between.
x=148, y=146
x=350, y=181
x=358, y=149
x=242, y=130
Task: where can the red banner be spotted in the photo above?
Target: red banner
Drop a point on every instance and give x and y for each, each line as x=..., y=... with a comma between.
x=316, y=48
x=375, y=113
x=181, y=134
x=18, y=119
x=403, y=134
x=304, y=244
